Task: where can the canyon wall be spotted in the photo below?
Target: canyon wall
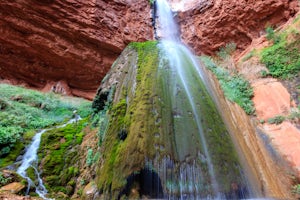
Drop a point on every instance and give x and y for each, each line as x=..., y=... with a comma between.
x=46, y=42
x=270, y=173
x=52, y=44
x=208, y=25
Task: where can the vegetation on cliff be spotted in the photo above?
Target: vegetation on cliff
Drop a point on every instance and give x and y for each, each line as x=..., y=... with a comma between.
x=282, y=58
x=235, y=87
x=148, y=122
x=126, y=136
x=59, y=157
x=23, y=111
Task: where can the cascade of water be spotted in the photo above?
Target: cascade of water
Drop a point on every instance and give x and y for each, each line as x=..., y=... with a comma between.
x=194, y=180
x=174, y=51
x=30, y=159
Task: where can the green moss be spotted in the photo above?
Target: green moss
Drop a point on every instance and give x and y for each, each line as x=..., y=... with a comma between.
x=12, y=156
x=184, y=125
x=117, y=167
x=31, y=173
x=159, y=123
x=59, y=155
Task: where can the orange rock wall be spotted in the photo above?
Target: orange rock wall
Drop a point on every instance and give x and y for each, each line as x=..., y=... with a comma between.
x=264, y=170
x=73, y=41
x=212, y=24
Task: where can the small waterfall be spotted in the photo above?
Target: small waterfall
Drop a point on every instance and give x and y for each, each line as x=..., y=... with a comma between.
x=30, y=159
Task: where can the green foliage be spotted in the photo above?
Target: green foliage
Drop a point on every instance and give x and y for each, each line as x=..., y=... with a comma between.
x=264, y=73
x=271, y=35
x=282, y=59
x=151, y=1
x=276, y=120
x=89, y=157
x=4, y=180
x=13, y=154
x=235, y=87
x=296, y=189
x=249, y=55
x=23, y=110
x=8, y=137
x=294, y=115
x=226, y=51
x=103, y=126
x=116, y=165
x=59, y=155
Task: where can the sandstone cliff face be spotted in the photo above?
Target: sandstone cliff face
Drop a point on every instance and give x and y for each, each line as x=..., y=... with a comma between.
x=73, y=41
x=212, y=24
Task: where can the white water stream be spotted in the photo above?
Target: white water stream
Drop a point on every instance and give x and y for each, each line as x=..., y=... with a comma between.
x=30, y=159
x=174, y=49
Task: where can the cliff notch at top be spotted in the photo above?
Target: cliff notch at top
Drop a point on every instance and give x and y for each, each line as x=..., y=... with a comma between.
x=73, y=41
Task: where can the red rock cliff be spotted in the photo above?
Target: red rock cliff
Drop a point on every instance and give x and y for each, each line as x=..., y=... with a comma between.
x=74, y=41
x=214, y=23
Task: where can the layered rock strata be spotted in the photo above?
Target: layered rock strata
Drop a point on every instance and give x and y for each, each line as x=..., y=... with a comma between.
x=208, y=25
x=72, y=41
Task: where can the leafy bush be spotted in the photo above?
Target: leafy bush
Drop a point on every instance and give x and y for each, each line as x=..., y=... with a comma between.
x=235, y=87
x=282, y=59
x=3, y=179
x=296, y=189
x=271, y=35
x=226, y=51
x=276, y=120
x=89, y=157
x=23, y=110
x=249, y=55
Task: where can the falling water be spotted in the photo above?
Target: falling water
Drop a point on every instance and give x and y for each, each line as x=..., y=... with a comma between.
x=174, y=51
x=30, y=159
x=182, y=82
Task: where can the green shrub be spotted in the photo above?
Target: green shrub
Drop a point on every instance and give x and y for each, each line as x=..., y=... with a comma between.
x=235, y=87
x=264, y=73
x=282, y=59
x=8, y=137
x=271, y=35
x=89, y=157
x=4, y=180
x=296, y=189
x=276, y=120
x=23, y=110
x=226, y=51
x=294, y=115
x=249, y=55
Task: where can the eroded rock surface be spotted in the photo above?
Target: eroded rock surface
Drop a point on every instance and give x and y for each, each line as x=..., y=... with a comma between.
x=271, y=99
x=211, y=24
x=73, y=41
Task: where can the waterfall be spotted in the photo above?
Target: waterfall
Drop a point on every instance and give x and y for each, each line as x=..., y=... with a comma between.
x=30, y=159
x=173, y=50
x=194, y=180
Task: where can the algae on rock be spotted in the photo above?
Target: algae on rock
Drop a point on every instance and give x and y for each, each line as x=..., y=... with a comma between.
x=153, y=133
